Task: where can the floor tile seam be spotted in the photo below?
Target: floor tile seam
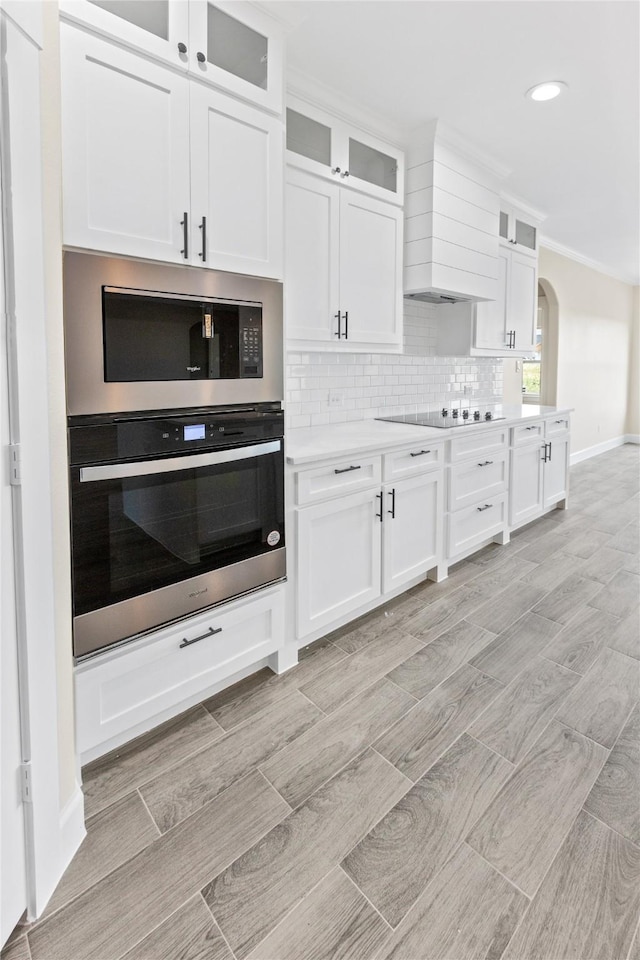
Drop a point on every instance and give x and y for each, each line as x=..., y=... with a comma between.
x=563, y=666
x=465, y=842
x=411, y=783
x=146, y=807
x=491, y=749
x=174, y=910
x=138, y=783
x=608, y=826
x=636, y=933
x=630, y=553
x=217, y=925
x=465, y=663
x=226, y=733
x=11, y=944
x=634, y=704
x=389, y=926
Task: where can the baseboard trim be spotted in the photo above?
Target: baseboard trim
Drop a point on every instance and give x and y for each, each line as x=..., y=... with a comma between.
x=72, y=828
x=599, y=448
x=632, y=438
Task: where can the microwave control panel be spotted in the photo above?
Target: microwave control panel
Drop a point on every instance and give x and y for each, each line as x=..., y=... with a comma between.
x=250, y=342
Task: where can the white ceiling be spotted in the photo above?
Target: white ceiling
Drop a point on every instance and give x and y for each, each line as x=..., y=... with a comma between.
x=469, y=63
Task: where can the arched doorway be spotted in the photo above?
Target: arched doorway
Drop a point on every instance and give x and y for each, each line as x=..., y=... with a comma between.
x=548, y=313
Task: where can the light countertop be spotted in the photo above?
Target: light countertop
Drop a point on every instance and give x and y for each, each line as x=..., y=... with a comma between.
x=334, y=440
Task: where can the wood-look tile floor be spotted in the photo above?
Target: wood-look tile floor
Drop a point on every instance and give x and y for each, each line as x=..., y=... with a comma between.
x=456, y=776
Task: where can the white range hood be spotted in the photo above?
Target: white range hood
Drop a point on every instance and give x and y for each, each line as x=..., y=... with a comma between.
x=452, y=211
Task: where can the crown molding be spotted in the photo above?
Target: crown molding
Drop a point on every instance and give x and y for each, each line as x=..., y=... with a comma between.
x=523, y=206
x=452, y=138
x=327, y=98
x=560, y=248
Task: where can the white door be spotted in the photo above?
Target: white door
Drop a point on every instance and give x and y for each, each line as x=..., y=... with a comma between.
x=237, y=185
x=412, y=529
x=312, y=218
x=556, y=470
x=125, y=144
x=160, y=29
x=370, y=269
x=525, y=486
x=523, y=300
x=237, y=47
x=338, y=558
x=491, y=315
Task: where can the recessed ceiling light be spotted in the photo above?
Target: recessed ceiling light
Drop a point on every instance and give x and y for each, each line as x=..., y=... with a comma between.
x=547, y=90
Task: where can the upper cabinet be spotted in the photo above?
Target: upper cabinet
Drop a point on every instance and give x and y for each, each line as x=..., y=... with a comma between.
x=160, y=167
x=229, y=44
x=332, y=149
x=519, y=229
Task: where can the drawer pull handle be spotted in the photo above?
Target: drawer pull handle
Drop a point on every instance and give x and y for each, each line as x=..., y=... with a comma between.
x=210, y=632
x=347, y=469
x=535, y=428
x=560, y=421
x=420, y=453
x=487, y=506
x=485, y=463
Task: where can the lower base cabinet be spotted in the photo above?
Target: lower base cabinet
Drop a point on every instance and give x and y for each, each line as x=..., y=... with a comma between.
x=526, y=484
x=539, y=472
x=147, y=681
x=355, y=548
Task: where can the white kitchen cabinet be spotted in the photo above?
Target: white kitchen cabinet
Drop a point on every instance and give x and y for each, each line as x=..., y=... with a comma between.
x=231, y=45
x=477, y=488
x=330, y=148
x=539, y=471
x=503, y=327
x=412, y=528
x=353, y=545
x=519, y=228
x=153, y=164
x=343, y=267
x=338, y=549
x=236, y=185
x=138, y=685
x=125, y=150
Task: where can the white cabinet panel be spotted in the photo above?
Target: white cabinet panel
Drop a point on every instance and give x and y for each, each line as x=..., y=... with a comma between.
x=556, y=471
x=491, y=315
x=479, y=444
x=116, y=692
x=371, y=269
x=553, y=428
x=338, y=549
x=337, y=479
x=474, y=525
x=526, y=484
x=417, y=459
x=527, y=433
x=125, y=133
x=412, y=528
x=312, y=221
x=523, y=301
x=236, y=156
x=475, y=479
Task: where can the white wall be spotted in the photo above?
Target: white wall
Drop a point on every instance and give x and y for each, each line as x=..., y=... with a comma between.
x=595, y=331
x=633, y=411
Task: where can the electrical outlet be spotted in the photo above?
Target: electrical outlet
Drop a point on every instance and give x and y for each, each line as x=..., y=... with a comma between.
x=335, y=399
x=465, y=389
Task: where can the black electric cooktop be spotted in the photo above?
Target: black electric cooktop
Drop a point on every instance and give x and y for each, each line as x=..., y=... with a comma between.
x=446, y=418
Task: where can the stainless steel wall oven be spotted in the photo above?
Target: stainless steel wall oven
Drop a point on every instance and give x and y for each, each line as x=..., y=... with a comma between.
x=174, y=388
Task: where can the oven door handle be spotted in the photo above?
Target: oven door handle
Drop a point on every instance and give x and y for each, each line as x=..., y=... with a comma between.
x=143, y=468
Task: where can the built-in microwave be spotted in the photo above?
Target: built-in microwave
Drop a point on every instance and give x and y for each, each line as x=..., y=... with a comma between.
x=142, y=336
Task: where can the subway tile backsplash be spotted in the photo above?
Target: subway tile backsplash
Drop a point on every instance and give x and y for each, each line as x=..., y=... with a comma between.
x=324, y=387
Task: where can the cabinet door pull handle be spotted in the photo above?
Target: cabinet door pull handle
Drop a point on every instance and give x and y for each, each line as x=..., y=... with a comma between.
x=487, y=506
x=393, y=504
x=203, y=227
x=545, y=458
x=346, y=324
x=420, y=453
x=182, y=48
x=210, y=632
x=184, y=223
x=347, y=469
x=485, y=463
x=549, y=451
x=200, y=57
x=381, y=514
x=338, y=333
x=514, y=339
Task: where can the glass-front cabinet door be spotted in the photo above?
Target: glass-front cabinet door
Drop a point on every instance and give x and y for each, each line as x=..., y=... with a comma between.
x=329, y=147
x=158, y=27
x=238, y=48
x=518, y=228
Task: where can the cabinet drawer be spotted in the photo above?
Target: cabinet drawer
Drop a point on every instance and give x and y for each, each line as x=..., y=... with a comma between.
x=472, y=526
x=335, y=479
x=477, y=479
x=525, y=433
x=558, y=425
x=155, y=674
x=477, y=444
x=416, y=459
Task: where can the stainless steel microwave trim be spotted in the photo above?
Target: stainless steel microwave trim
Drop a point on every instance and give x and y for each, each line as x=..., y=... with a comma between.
x=122, y=621
x=143, y=468
x=85, y=275
x=135, y=292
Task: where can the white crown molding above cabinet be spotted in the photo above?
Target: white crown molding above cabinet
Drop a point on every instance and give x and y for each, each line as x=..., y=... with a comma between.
x=570, y=254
